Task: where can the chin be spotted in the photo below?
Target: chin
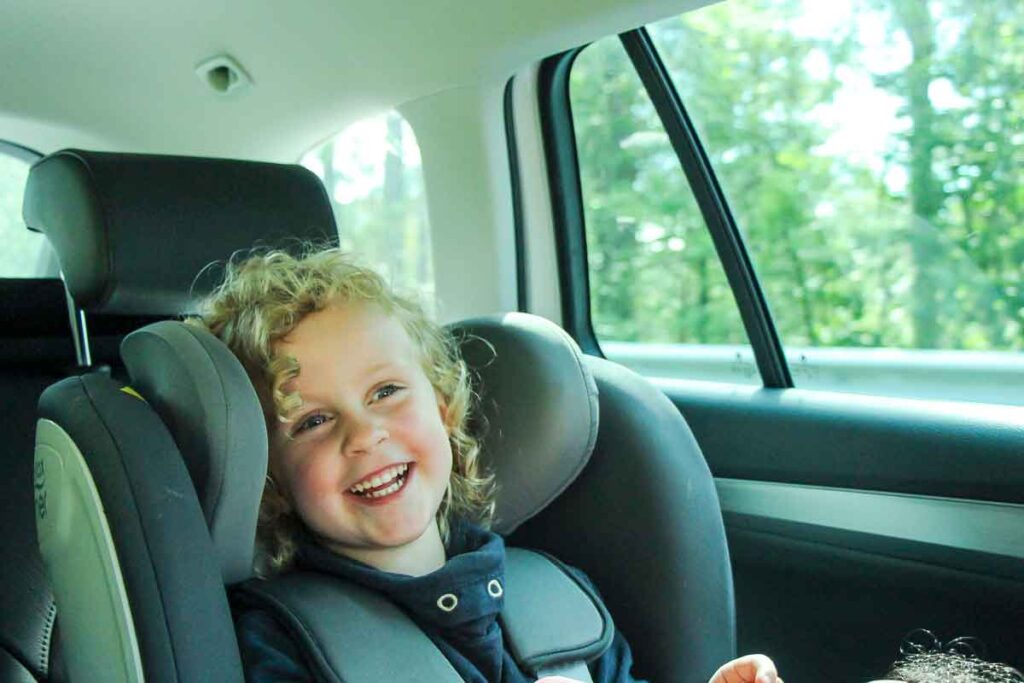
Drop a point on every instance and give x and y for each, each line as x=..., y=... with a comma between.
x=406, y=534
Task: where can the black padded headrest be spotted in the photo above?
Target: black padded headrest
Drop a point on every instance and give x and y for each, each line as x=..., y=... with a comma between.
x=539, y=404
x=200, y=391
x=132, y=230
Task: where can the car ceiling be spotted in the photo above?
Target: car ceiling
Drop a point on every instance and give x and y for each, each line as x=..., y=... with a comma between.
x=120, y=74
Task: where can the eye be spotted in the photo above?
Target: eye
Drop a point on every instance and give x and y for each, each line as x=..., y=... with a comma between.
x=385, y=391
x=311, y=422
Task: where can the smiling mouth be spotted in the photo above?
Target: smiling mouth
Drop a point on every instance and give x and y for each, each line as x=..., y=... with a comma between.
x=383, y=484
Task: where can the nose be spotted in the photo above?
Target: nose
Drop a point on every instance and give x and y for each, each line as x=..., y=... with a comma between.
x=363, y=435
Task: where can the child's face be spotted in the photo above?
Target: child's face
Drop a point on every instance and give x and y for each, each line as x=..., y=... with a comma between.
x=369, y=458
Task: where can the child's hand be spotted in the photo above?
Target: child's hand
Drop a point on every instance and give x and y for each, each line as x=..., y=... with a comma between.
x=749, y=669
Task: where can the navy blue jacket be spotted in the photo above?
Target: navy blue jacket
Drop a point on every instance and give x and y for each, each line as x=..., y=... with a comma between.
x=469, y=636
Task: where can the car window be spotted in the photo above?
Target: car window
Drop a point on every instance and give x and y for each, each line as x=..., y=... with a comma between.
x=873, y=156
x=23, y=252
x=374, y=177
x=659, y=299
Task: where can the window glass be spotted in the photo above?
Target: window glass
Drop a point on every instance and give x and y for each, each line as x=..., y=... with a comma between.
x=23, y=251
x=873, y=155
x=374, y=177
x=659, y=299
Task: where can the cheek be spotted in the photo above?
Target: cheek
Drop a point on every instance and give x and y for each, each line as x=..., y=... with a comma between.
x=449, y=462
x=434, y=431
x=315, y=479
x=304, y=478
x=442, y=447
x=424, y=433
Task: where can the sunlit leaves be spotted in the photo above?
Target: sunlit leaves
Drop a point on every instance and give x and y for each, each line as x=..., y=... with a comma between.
x=871, y=151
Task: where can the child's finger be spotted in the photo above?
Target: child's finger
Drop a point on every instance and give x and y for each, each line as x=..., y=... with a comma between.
x=748, y=669
x=766, y=672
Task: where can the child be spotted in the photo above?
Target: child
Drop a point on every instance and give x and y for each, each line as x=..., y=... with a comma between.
x=373, y=476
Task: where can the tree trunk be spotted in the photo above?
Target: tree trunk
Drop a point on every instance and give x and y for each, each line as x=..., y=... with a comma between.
x=926, y=195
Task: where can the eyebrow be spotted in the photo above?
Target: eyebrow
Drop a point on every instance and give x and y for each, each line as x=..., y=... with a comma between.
x=377, y=367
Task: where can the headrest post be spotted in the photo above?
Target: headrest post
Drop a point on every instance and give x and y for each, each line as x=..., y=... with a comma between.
x=79, y=330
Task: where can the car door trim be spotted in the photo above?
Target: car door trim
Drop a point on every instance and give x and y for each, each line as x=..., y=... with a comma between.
x=971, y=535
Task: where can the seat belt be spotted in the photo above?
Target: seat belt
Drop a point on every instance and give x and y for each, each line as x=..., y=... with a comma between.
x=554, y=624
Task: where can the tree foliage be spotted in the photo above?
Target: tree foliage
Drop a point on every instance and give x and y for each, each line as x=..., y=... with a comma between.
x=375, y=182
x=908, y=234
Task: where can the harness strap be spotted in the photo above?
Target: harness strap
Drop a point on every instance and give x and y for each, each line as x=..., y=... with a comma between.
x=554, y=623
x=349, y=634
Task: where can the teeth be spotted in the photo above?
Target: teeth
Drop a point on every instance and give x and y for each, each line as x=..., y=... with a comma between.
x=384, y=492
x=381, y=479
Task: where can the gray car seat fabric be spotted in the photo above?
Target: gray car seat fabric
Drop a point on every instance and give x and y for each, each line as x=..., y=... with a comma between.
x=131, y=231
x=643, y=520
x=627, y=497
x=538, y=409
x=206, y=400
x=164, y=556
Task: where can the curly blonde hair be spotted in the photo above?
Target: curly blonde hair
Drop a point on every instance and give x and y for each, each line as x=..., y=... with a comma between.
x=263, y=297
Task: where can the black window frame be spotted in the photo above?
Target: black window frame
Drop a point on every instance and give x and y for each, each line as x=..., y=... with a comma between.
x=522, y=286
x=567, y=203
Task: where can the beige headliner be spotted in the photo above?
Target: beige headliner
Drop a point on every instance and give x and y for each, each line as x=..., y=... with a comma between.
x=119, y=74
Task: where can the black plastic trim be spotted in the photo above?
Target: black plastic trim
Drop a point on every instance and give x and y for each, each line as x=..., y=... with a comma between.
x=566, y=197
x=800, y=436
x=728, y=241
x=522, y=285
x=13, y=149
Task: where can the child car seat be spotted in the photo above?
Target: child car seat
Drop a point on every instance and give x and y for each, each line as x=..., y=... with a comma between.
x=641, y=517
x=126, y=539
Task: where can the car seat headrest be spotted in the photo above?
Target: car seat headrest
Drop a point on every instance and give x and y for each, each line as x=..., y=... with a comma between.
x=132, y=230
x=538, y=406
x=203, y=395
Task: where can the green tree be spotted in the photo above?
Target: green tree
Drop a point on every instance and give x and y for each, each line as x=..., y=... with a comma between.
x=966, y=167
x=379, y=201
x=916, y=241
